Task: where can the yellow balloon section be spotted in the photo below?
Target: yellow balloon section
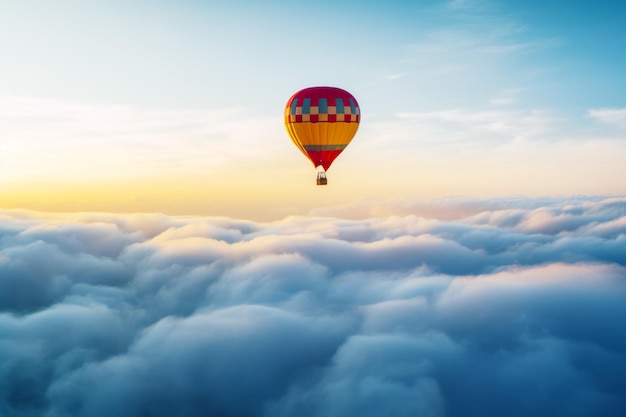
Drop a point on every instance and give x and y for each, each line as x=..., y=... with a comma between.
x=321, y=122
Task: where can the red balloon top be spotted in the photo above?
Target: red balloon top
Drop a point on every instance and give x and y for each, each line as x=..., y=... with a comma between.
x=338, y=104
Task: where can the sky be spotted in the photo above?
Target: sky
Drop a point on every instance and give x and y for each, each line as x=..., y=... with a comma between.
x=176, y=106
x=164, y=250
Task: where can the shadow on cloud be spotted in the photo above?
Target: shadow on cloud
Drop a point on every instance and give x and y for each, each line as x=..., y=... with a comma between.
x=496, y=307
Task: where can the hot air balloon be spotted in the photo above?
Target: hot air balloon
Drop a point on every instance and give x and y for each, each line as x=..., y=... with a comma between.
x=321, y=122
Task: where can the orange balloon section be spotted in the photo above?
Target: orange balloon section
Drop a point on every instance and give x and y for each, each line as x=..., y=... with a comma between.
x=321, y=122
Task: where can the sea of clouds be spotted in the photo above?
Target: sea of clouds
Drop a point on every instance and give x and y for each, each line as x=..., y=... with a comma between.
x=509, y=307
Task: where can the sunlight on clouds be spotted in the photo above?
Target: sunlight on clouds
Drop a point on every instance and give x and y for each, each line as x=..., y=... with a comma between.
x=184, y=263
x=520, y=299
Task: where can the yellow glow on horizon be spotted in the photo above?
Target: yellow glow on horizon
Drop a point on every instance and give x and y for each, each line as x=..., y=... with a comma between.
x=274, y=186
x=262, y=195
x=274, y=191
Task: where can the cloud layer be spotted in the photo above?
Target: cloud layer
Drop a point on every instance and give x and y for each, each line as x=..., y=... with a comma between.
x=501, y=307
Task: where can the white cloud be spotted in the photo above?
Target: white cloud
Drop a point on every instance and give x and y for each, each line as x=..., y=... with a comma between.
x=433, y=307
x=45, y=137
x=469, y=47
x=478, y=128
x=502, y=101
x=615, y=117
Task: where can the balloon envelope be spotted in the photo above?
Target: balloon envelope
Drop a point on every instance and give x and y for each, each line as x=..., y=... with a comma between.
x=321, y=122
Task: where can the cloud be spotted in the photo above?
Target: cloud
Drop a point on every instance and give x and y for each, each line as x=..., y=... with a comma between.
x=43, y=136
x=469, y=47
x=495, y=125
x=437, y=307
x=506, y=97
x=615, y=117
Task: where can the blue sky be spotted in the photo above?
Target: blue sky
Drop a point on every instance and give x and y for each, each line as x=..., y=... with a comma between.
x=458, y=98
x=204, y=53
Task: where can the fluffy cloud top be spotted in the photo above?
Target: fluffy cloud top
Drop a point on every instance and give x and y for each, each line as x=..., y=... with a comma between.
x=493, y=308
